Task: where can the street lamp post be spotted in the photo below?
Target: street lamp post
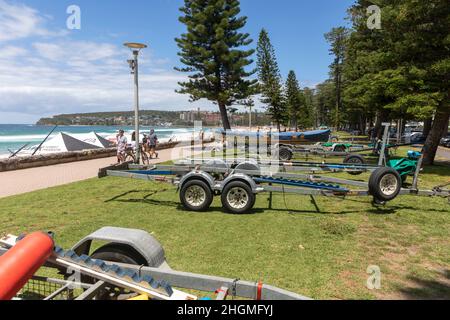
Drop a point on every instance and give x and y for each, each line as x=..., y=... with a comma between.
x=134, y=65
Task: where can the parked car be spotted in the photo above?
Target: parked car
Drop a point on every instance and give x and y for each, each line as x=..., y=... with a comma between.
x=415, y=137
x=445, y=142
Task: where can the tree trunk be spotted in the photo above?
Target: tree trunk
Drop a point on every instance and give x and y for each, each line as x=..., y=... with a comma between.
x=224, y=114
x=381, y=118
x=446, y=131
x=362, y=124
x=427, y=127
x=439, y=126
x=377, y=128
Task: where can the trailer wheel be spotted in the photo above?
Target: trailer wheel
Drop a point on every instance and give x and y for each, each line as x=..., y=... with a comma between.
x=340, y=148
x=355, y=159
x=285, y=154
x=116, y=252
x=385, y=184
x=196, y=195
x=238, y=197
x=119, y=253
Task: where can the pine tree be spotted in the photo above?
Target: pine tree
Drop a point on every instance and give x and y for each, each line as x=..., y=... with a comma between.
x=402, y=71
x=420, y=46
x=309, y=118
x=294, y=100
x=212, y=51
x=270, y=79
x=337, y=38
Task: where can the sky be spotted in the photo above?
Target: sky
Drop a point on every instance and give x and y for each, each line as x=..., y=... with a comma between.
x=48, y=69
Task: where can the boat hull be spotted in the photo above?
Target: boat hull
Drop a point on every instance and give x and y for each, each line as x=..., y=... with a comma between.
x=290, y=138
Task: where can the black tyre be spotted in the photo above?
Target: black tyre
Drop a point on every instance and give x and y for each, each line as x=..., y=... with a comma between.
x=355, y=159
x=196, y=195
x=130, y=158
x=340, y=148
x=238, y=197
x=118, y=253
x=385, y=184
x=145, y=158
x=285, y=154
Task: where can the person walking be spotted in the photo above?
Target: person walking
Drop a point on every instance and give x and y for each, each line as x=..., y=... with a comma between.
x=122, y=144
x=152, y=143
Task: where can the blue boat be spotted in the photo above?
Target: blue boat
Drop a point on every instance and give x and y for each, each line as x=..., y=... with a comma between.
x=292, y=138
x=304, y=137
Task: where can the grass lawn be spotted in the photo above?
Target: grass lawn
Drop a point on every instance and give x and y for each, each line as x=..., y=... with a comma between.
x=323, y=255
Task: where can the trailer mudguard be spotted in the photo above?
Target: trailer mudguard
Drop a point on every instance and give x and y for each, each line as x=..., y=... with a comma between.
x=21, y=262
x=290, y=147
x=240, y=177
x=198, y=175
x=142, y=242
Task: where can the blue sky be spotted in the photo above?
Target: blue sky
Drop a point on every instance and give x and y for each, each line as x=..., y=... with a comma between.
x=46, y=69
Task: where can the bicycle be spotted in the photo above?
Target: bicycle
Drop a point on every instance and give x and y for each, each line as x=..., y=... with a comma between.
x=131, y=155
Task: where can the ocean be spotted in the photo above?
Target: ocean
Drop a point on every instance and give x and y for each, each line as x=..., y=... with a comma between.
x=14, y=136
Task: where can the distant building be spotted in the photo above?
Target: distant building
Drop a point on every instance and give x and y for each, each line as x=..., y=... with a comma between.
x=189, y=116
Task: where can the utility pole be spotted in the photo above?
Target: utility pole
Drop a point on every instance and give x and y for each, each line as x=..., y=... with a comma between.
x=134, y=66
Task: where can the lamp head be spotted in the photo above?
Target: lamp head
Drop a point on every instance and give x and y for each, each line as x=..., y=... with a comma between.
x=135, y=45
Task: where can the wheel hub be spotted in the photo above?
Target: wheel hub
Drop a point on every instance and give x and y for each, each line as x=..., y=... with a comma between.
x=195, y=196
x=389, y=184
x=237, y=198
x=354, y=161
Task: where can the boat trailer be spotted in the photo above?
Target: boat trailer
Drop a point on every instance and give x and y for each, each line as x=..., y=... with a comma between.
x=238, y=186
x=349, y=151
x=131, y=266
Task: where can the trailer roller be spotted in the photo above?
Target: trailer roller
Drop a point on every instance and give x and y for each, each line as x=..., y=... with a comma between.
x=130, y=266
x=20, y=263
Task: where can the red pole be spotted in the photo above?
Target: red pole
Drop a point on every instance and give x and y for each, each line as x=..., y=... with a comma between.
x=21, y=262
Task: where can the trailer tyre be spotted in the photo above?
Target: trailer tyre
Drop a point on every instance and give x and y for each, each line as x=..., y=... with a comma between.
x=340, y=148
x=285, y=154
x=238, y=197
x=357, y=160
x=385, y=184
x=196, y=195
x=119, y=253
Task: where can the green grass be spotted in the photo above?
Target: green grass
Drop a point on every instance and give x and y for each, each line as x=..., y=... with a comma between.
x=323, y=254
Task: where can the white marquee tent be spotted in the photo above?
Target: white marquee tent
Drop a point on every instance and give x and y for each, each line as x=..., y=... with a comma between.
x=94, y=139
x=64, y=143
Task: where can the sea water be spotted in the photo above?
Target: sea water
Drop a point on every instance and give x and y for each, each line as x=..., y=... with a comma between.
x=15, y=136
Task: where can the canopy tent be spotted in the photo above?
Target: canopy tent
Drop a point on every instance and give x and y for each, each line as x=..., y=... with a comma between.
x=94, y=139
x=64, y=143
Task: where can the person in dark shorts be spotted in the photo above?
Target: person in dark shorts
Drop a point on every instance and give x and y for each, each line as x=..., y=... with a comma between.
x=152, y=143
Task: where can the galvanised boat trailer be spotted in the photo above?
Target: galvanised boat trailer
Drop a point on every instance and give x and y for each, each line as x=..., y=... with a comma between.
x=130, y=266
x=239, y=186
x=350, y=152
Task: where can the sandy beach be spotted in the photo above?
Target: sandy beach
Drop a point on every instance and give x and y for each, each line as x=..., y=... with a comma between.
x=28, y=180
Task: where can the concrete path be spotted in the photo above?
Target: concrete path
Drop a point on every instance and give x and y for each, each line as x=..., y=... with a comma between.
x=28, y=180
x=444, y=153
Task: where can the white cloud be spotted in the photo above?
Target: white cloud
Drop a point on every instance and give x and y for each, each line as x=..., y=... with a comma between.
x=76, y=76
x=18, y=21
x=12, y=52
x=76, y=51
x=54, y=74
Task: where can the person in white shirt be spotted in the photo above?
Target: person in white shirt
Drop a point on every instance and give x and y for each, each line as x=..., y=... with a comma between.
x=122, y=143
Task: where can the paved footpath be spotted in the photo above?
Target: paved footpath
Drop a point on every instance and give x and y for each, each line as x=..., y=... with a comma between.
x=28, y=180
x=444, y=153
